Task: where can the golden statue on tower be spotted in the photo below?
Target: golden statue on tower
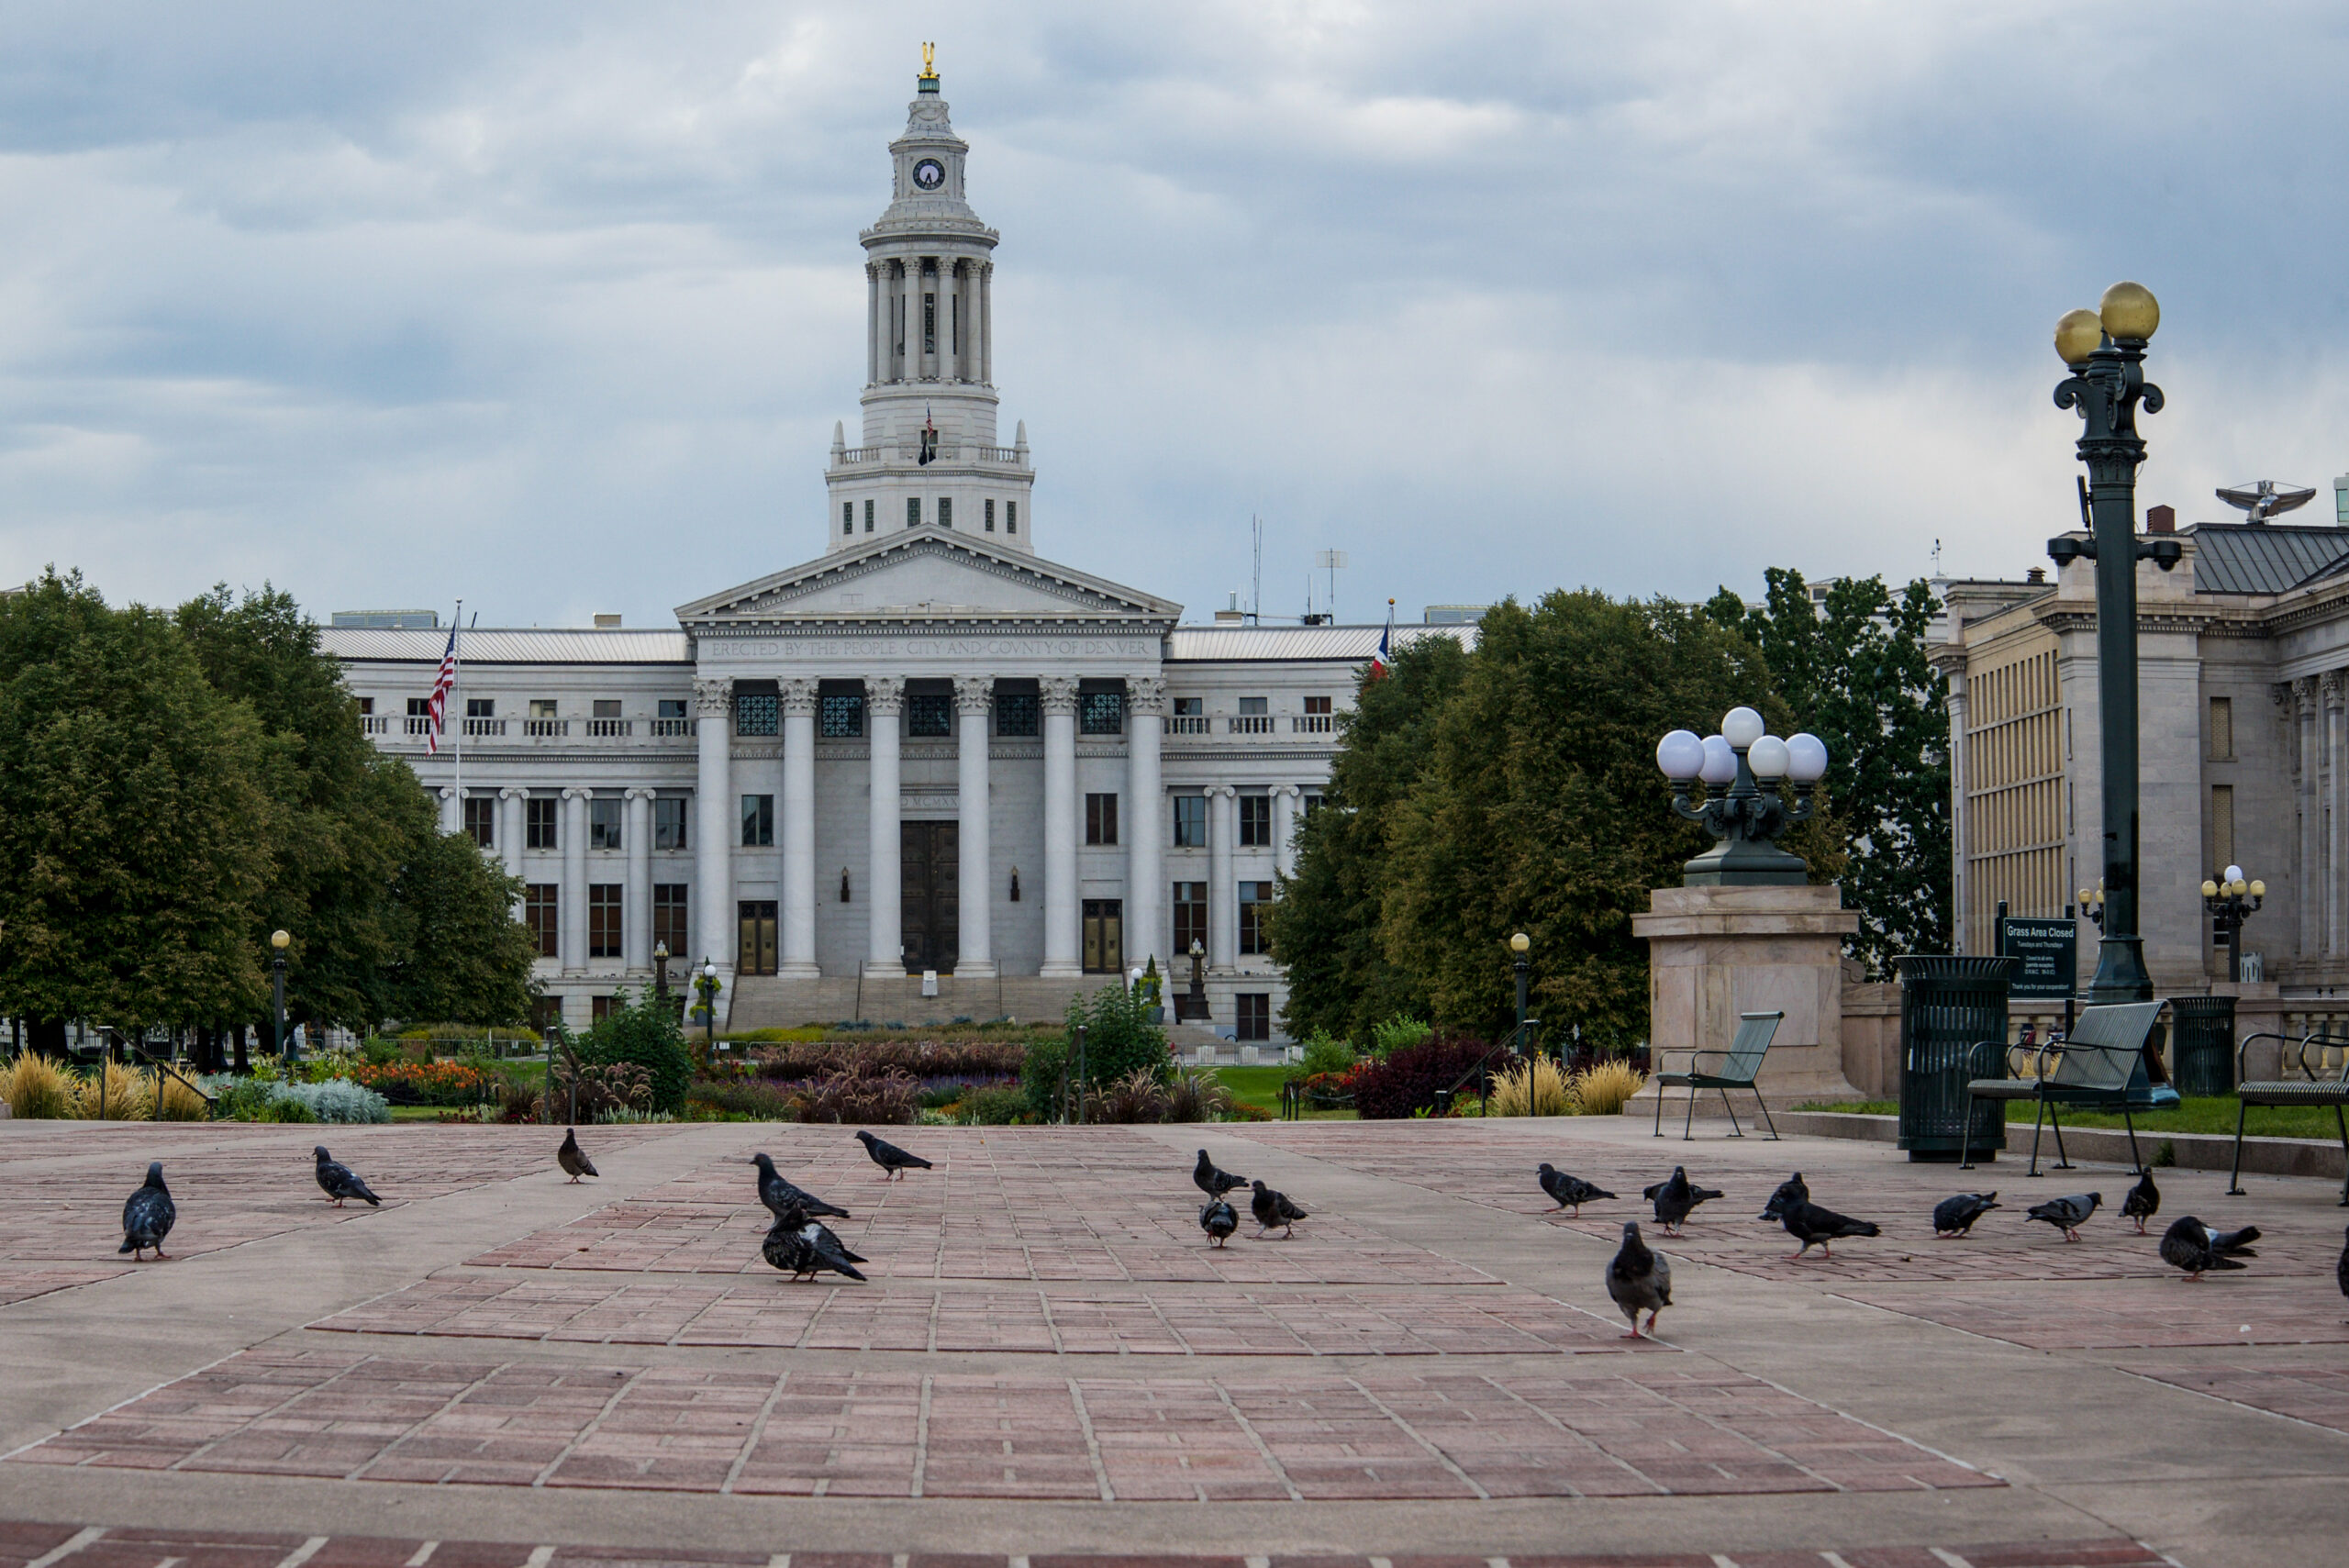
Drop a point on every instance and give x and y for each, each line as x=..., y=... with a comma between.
x=929, y=62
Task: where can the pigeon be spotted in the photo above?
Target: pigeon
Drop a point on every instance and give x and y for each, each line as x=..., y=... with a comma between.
x=1218, y=1220
x=572, y=1159
x=2193, y=1246
x=2144, y=1200
x=1570, y=1192
x=1638, y=1280
x=778, y=1193
x=1213, y=1182
x=1675, y=1197
x=339, y=1181
x=1956, y=1215
x=2341, y=1268
x=803, y=1247
x=892, y=1160
x=1793, y=1190
x=148, y=1217
x=1273, y=1208
x=1811, y=1225
x=2066, y=1214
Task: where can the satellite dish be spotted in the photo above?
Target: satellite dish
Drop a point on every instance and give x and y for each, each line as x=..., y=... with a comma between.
x=2265, y=499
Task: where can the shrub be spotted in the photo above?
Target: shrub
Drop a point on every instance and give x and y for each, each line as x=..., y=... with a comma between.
x=1197, y=1096
x=127, y=1094
x=1407, y=1079
x=992, y=1107
x=1322, y=1055
x=518, y=1100
x=1120, y=1038
x=872, y=1098
x=340, y=1100
x=378, y=1051
x=1040, y=1078
x=37, y=1088
x=801, y=1060
x=644, y=1033
x=287, y=1110
x=750, y=1098
x=1136, y=1097
x=1397, y=1033
x=1531, y=1088
x=1605, y=1089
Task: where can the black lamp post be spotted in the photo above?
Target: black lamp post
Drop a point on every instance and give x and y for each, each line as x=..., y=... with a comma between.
x=2229, y=902
x=705, y=983
x=279, y=941
x=1744, y=773
x=660, y=970
x=2106, y=350
x=1520, y=945
x=2092, y=904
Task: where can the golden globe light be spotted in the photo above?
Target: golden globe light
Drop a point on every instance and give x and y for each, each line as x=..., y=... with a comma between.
x=280, y=940
x=2083, y=895
x=2210, y=888
x=2130, y=310
x=2079, y=334
x=1520, y=942
x=2259, y=890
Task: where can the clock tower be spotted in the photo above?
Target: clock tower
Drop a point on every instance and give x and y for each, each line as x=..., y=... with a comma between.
x=929, y=453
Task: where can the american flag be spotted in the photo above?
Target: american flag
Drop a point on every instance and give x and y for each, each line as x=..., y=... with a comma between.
x=1386, y=646
x=442, y=685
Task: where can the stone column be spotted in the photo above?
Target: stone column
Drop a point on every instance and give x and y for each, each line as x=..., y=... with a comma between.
x=1145, y=824
x=2308, y=888
x=636, y=918
x=1284, y=828
x=987, y=323
x=509, y=834
x=974, y=938
x=575, y=880
x=2336, y=813
x=871, y=322
x=1062, y=954
x=918, y=347
x=716, y=827
x=798, y=934
x=885, y=699
x=1224, y=893
x=453, y=815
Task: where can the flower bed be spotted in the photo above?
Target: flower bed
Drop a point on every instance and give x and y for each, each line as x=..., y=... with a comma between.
x=805, y=1060
x=425, y=1083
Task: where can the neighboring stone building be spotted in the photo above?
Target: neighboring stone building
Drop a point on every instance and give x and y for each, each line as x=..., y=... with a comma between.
x=2243, y=664
x=931, y=749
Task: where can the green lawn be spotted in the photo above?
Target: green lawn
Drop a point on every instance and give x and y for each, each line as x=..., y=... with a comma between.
x=2200, y=1113
x=1261, y=1088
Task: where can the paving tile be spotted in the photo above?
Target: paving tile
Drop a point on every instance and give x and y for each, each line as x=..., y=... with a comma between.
x=2318, y=1395
x=2170, y=1310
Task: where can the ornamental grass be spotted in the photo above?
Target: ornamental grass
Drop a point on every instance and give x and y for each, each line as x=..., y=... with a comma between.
x=179, y=1102
x=1538, y=1088
x=123, y=1094
x=37, y=1088
x=1607, y=1088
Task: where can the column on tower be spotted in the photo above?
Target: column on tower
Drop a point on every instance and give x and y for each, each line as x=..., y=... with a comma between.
x=1146, y=823
x=635, y=921
x=575, y=880
x=885, y=699
x=1223, y=894
x=987, y=323
x=907, y=316
x=871, y=322
x=714, y=923
x=1062, y=956
x=975, y=934
x=798, y=957
x=966, y=323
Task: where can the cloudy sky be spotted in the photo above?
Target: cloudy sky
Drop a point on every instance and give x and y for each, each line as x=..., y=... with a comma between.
x=554, y=306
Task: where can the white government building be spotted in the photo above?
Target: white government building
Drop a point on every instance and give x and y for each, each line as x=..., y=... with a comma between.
x=931, y=749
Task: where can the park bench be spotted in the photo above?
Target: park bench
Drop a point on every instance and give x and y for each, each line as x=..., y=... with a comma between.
x=2099, y=1066
x=2307, y=1089
x=1740, y=1063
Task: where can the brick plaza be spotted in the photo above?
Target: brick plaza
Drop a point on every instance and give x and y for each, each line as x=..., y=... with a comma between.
x=1048, y=1361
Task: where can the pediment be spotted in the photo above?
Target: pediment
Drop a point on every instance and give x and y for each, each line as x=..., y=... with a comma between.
x=930, y=577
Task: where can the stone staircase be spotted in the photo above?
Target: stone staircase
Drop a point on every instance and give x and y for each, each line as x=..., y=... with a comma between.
x=771, y=1002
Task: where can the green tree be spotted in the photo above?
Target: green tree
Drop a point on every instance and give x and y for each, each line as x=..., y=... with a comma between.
x=136, y=837
x=1853, y=670
x=455, y=950
x=639, y=1030
x=1325, y=927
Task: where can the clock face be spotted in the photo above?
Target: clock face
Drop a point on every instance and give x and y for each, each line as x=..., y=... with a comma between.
x=929, y=174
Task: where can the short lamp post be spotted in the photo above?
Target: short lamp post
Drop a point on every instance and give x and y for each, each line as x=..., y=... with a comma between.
x=1744, y=773
x=660, y=970
x=2229, y=902
x=1519, y=946
x=280, y=942
x=705, y=985
x=2105, y=350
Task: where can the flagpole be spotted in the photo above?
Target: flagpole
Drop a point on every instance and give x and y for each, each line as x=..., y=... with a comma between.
x=456, y=701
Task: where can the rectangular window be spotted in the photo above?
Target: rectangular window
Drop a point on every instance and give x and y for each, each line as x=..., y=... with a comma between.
x=848, y=517
x=480, y=820
x=419, y=707
x=669, y=823
x=1253, y=1014
x=930, y=324
x=990, y=515
x=757, y=713
x=1255, y=898
x=1254, y=705
x=542, y=912
x=1100, y=819
x=868, y=516
x=1317, y=704
x=1011, y=517
x=1015, y=714
x=608, y=708
x=544, y=707
x=840, y=716
x=1189, y=708
x=1255, y=821
x=757, y=821
x=946, y=511
x=1101, y=713
x=669, y=918
x=2223, y=828
x=1190, y=822
x=1190, y=916
x=1308, y=805
x=672, y=707
x=602, y=1007
x=913, y=511
x=2222, y=729
x=604, y=824
x=930, y=713
x=603, y=920
x=540, y=816
x=366, y=707
x=481, y=708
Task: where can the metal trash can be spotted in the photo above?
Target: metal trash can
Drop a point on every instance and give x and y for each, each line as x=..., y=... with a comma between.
x=1948, y=1005
x=2202, y=1060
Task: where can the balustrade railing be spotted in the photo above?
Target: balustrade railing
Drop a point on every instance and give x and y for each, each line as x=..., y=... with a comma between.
x=485, y=727
x=545, y=728
x=1249, y=724
x=608, y=728
x=418, y=725
x=665, y=727
x=1310, y=724
x=375, y=724
x=1187, y=724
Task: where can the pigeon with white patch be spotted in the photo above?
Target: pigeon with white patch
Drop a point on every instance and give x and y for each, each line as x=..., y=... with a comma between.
x=1218, y=1220
x=2193, y=1246
x=779, y=1192
x=148, y=1217
x=1956, y=1215
x=2341, y=1268
x=1273, y=1208
x=573, y=1159
x=339, y=1182
x=1675, y=1197
x=2144, y=1201
x=1569, y=1191
x=805, y=1247
x=1812, y=1226
x=1212, y=1181
x=1638, y=1280
x=1794, y=1189
x=893, y=1161
x=2066, y=1214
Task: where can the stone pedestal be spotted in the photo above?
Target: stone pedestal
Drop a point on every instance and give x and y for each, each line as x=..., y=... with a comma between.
x=1714, y=952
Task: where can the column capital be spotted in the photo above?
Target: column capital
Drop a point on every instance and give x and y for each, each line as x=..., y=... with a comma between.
x=577, y=792
x=2304, y=689
x=448, y=792
x=1146, y=695
x=1228, y=792
x=2331, y=684
x=711, y=698
x=884, y=693
x=640, y=792
x=799, y=696
x=513, y=791
x=1292, y=791
x=1059, y=693
x=974, y=694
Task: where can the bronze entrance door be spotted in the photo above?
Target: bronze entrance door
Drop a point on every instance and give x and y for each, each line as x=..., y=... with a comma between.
x=1105, y=938
x=929, y=868
x=754, y=942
